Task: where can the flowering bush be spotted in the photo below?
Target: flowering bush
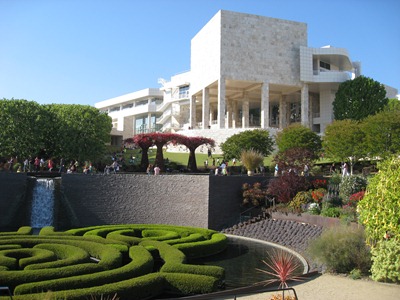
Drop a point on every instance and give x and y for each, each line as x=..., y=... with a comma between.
x=319, y=183
x=355, y=198
x=318, y=195
x=314, y=209
x=253, y=194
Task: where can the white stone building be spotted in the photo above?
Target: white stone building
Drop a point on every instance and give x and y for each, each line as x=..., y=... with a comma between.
x=246, y=71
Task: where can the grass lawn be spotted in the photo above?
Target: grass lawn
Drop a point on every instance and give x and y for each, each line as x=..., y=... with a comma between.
x=182, y=158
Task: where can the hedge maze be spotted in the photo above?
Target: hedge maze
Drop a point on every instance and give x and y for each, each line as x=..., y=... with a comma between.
x=127, y=261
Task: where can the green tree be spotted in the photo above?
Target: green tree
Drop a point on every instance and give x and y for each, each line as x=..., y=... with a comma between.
x=382, y=133
x=23, y=128
x=298, y=136
x=357, y=99
x=379, y=213
x=258, y=140
x=379, y=210
x=344, y=141
x=393, y=104
x=77, y=132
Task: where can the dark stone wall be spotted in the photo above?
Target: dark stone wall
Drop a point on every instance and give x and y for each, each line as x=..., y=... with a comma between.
x=87, y=200
x=14, y=210
x=225, y=199
x=131, y=198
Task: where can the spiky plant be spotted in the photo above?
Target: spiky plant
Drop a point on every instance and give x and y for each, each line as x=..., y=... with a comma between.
x=251, y=159
x=283, y=267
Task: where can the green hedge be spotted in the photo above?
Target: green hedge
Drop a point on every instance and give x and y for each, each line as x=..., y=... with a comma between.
x=66, y=255
x=141, y=264
x=216, y=244
x=64, y=262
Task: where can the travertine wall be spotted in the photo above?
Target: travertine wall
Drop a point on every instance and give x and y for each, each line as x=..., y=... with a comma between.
x=248, y=47
x=258, y=48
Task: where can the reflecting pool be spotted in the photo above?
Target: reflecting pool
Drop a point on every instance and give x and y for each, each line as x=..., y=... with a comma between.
x=241, y=260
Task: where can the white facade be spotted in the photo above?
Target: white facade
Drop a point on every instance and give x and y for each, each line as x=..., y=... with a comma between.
x=247, y=71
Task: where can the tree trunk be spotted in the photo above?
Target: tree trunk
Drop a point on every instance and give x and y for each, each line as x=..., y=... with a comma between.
x=192, y=164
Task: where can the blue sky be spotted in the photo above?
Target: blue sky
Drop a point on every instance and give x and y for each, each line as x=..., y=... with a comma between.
x=86, y=51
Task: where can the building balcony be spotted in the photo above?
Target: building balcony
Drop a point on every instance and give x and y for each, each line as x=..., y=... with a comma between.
x=133, y=111
x=323, y=75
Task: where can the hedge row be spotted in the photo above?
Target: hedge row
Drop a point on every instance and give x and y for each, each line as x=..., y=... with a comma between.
x=141, y=264
x=46, y=261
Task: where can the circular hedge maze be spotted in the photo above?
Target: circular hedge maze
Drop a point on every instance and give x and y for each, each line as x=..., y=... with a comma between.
x=102, y=262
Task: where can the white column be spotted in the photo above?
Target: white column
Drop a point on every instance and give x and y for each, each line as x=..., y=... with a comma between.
x=229, y=113
x=149, y=121
x=305, y=103
x=211, y=114
x=134, y=125
x=282, y=112
x=221, y=103
x=206, y=108
x=245, y=112
x=192, y=113
x=265, y=105
x=235, y=114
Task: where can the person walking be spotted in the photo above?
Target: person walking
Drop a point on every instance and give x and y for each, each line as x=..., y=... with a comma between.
x=157, y=170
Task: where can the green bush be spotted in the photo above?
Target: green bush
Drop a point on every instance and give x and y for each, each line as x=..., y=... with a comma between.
x=341, y=249
x=348, y=214
x=379, y=210
x=386, y=261
x=333, y=212
x=350, y=185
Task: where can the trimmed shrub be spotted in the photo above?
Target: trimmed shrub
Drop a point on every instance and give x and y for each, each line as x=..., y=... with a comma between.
x=141, y=264
x=101, y=267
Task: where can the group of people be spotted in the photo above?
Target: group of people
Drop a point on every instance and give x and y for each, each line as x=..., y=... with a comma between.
x=344, y=169
x=39, y=164
x=153, y=170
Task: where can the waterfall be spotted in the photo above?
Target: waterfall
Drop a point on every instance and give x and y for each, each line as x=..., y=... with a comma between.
x=42, y=213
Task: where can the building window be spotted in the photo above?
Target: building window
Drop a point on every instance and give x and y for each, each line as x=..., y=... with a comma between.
x=325, y=65
x=184, y=92
x=115, y=108
x=127, y=106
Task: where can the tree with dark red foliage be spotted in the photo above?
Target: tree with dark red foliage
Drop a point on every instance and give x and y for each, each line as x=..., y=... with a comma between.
x=192, y=143
x=160, y=140
x=285, y=187
x=144, y=143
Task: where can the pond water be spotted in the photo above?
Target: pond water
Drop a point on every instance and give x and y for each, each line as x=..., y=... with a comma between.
x=241, y=260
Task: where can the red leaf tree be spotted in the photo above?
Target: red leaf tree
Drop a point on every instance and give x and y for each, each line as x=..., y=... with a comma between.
x=144, y=143
x=192, y=143
x=160, y=140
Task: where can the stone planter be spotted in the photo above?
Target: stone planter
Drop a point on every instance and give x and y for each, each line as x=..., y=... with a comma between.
x=310, y=219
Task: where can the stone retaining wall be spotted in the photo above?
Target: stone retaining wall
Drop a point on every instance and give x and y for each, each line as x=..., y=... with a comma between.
x=13, y=207
x=87, y=200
